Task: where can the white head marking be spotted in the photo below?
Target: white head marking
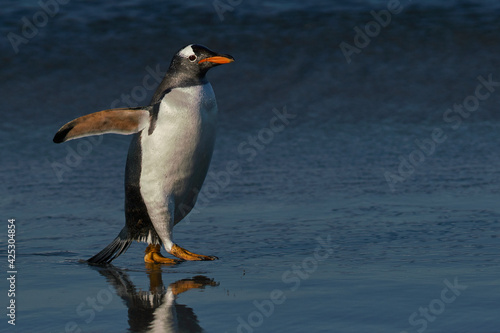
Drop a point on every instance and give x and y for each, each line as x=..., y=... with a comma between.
x=186, y=52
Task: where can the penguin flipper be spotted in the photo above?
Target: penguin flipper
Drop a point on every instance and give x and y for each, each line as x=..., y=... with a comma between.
x=119, y=121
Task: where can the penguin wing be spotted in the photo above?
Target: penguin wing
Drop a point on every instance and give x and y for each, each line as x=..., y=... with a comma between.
x=120, y=121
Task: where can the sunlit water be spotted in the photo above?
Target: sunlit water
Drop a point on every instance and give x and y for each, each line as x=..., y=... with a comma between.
x=342, y=197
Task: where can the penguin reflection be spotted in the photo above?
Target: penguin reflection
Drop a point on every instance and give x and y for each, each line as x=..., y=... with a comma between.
x=156, y=310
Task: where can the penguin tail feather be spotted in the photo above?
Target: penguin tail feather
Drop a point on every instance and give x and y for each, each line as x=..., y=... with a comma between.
x=119, y=245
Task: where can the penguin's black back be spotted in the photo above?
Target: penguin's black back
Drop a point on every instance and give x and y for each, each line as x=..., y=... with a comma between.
x=137, y=219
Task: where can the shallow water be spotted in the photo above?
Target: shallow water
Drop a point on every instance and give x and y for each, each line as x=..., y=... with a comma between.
x=371, y=208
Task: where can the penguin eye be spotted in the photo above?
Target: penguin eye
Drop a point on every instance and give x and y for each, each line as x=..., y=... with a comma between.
x=192, y=57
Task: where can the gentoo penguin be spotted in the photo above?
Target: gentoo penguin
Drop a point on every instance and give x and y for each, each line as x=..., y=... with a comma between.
x=168, y=157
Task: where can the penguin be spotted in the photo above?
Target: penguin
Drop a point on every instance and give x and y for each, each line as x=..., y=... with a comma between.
x=169, y=155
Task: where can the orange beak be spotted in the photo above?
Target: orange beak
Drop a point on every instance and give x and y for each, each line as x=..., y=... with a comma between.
x=217, y=60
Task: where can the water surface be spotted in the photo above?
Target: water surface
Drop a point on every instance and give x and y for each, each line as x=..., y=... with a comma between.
x=325, y=226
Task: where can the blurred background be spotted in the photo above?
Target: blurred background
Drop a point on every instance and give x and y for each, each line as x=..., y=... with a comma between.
x=390, y=147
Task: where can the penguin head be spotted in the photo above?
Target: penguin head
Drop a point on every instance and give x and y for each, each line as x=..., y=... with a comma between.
x=195, y=60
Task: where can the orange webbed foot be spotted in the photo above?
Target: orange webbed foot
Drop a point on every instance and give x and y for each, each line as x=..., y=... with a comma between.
x=153, y=256
x=181, y=253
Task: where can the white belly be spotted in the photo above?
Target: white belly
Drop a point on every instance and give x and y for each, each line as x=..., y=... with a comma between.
x=177, y=154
